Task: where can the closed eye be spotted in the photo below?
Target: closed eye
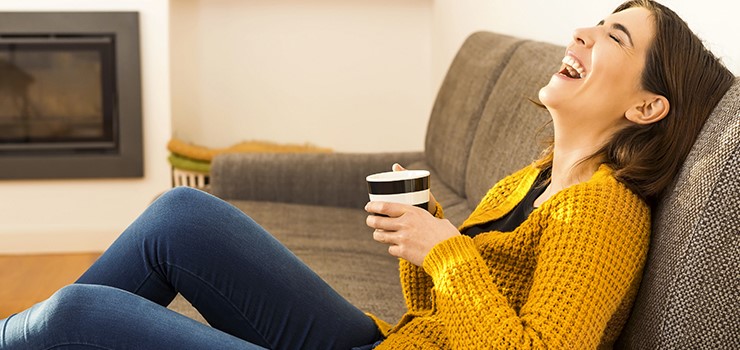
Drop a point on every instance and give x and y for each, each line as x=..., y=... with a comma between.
x=621, y=28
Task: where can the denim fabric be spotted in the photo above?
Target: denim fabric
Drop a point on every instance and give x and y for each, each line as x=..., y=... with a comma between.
x=85, y=316
x=249, y=287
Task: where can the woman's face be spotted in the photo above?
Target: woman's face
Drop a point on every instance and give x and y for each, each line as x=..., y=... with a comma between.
x=600, y=78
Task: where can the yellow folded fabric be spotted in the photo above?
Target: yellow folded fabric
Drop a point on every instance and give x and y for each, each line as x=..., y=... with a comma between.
x=197, y=152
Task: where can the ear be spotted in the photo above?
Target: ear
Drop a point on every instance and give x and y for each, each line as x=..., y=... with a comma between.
x=651, y=109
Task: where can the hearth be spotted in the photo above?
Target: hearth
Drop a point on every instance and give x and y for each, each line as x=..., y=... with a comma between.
x=70, y=95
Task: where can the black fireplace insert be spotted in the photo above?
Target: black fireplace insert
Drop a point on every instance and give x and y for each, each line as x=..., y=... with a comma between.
x=70, y=95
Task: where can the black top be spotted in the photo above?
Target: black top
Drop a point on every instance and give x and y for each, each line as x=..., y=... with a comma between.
x=516, y=216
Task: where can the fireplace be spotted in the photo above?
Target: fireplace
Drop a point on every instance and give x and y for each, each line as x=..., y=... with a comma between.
x=70, y=99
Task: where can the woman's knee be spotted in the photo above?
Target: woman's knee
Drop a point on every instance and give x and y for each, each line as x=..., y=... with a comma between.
x=193, y=217
x=192, y=203
x=77, y=305
x=68, y=299
x=181, y=208
x=90, y=316
x=182, y=196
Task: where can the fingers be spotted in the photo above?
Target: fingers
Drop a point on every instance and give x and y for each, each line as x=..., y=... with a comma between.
x=395, y=250
x=432, y=204
x=397, y=167
x=387, y=208
x=387, y=238
x=382, y=236
x=389, y=216
x=380, y=223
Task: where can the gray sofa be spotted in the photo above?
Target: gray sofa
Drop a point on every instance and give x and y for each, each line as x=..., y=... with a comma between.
x=482, y=127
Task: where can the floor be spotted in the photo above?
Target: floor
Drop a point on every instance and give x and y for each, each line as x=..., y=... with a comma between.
x=28, y=279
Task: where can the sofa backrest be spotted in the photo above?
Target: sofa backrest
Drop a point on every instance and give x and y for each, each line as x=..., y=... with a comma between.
x=460, y=102
x=512, y=130
x=689, y=297
x=484, y=124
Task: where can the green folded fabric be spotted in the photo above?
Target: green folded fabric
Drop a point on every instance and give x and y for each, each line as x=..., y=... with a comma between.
x=189, y=164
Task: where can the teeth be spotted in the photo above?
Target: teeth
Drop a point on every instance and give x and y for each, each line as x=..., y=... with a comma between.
x=572, y=72
x=574, y=67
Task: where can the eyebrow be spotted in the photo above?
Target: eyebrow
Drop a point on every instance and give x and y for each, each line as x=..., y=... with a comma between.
x=620, y=27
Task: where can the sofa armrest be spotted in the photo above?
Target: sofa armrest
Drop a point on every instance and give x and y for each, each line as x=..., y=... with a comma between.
x=333, y=179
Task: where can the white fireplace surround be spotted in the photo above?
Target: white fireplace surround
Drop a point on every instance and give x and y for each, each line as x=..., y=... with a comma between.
x=86, y=215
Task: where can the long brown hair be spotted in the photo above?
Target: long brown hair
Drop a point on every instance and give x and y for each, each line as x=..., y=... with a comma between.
x=646, y=158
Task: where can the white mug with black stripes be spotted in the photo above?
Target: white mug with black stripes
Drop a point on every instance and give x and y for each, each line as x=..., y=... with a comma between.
x=407, y=187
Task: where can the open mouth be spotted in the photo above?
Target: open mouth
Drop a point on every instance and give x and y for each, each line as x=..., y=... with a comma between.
x=572, y=68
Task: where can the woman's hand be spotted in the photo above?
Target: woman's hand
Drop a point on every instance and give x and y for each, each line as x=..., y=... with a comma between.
x=432, y=202
x=410, y=231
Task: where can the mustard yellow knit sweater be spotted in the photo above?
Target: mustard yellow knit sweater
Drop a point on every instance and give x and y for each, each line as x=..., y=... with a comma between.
x=564, y=279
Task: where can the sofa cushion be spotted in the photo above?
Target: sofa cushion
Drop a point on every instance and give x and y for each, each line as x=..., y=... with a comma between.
x=183, y=306
x=460, y=101
x=507, y=137
x=339, y=247
x=690, y=293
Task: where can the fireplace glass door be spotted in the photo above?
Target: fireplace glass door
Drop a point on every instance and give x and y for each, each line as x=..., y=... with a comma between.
x=56, y=94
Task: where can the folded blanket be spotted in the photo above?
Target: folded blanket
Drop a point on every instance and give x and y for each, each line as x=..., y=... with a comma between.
x=200, y=153
x=188, y=164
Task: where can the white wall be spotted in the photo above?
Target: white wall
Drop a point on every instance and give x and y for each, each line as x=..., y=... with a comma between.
x=86, y=215
x=352, y=75
x=337, y=73
x=715, y=21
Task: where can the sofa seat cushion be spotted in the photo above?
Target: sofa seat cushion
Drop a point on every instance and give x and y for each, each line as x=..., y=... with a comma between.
x=338, y=246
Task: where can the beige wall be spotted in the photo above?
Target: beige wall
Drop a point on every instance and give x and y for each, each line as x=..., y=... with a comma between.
x=337, y=73
x=86, y=215
x=353, y=75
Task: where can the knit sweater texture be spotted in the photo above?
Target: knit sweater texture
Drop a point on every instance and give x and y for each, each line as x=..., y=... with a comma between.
x=564, y=279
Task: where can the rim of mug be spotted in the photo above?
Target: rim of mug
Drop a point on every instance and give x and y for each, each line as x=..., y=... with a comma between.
x=391, y=176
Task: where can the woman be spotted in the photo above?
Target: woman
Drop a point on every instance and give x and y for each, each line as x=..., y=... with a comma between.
x=552, y=256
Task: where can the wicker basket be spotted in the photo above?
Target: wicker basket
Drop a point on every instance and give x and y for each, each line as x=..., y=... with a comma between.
x=189, y=178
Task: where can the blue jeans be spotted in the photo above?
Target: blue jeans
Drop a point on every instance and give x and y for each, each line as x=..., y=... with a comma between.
x=251, y=289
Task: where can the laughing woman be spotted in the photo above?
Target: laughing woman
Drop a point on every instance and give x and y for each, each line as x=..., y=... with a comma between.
x=551, y=257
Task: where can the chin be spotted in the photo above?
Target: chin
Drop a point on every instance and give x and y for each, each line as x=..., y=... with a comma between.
x=547, y=96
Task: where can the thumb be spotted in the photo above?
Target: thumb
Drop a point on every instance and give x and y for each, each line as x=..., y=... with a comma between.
x=397, y=167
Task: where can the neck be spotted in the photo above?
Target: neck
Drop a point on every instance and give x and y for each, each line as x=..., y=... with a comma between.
x=569, y=166
x=572, y=147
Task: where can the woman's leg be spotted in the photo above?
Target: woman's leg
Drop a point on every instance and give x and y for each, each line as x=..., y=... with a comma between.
x=239, y=277
x=83, y=316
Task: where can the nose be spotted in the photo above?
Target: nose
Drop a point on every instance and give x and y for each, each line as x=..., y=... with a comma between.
x=583, y=36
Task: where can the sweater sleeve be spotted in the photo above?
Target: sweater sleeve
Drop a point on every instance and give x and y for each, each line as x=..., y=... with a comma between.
x=590, y=254
x=416, y=283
